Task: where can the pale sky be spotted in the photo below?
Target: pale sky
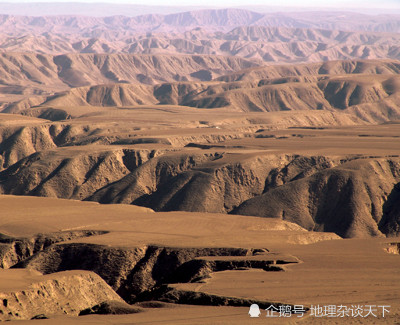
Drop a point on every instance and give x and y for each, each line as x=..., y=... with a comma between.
x=232, y=3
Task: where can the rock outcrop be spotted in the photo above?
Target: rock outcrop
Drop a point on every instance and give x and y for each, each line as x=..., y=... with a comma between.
x=64, y=293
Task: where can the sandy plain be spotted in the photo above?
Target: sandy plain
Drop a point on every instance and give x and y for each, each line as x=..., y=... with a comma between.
x=331, y=270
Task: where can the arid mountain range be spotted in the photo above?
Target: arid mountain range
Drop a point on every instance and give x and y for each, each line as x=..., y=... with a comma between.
x=232, y=32
x=156, y=166
x=221, y=19
x=259, y=43
x=364, y=90
x=90, y=87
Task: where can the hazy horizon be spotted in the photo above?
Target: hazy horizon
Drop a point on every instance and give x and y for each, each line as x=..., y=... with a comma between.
x=105, y=8
x=337, y=4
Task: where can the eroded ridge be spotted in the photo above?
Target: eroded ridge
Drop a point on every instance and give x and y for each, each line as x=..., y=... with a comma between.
x=65, y=293
x=14, y=250
x=135, y=272
x=167, y=294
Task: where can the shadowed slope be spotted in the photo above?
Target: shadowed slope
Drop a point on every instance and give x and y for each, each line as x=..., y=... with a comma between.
x=35, y=74
x=365, y=90
x=346, y=200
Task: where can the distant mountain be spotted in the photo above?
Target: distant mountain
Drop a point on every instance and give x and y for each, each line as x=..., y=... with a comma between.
x=392, y=8
x=210, y=19
x=102, y=9
x=257, y=43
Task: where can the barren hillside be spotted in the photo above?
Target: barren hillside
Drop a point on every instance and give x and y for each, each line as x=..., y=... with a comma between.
x=364, y=90
x=222, y=164
x=25, y=74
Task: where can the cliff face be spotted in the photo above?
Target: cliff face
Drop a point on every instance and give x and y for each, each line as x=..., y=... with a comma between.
x=64, y=293
x=138, y=273
x=81, y=277
x=240, y=169
x=14, y=250
x=217, y=184
x=355, y=199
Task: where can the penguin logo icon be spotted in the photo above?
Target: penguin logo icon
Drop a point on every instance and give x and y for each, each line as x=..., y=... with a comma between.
x=254, y=311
